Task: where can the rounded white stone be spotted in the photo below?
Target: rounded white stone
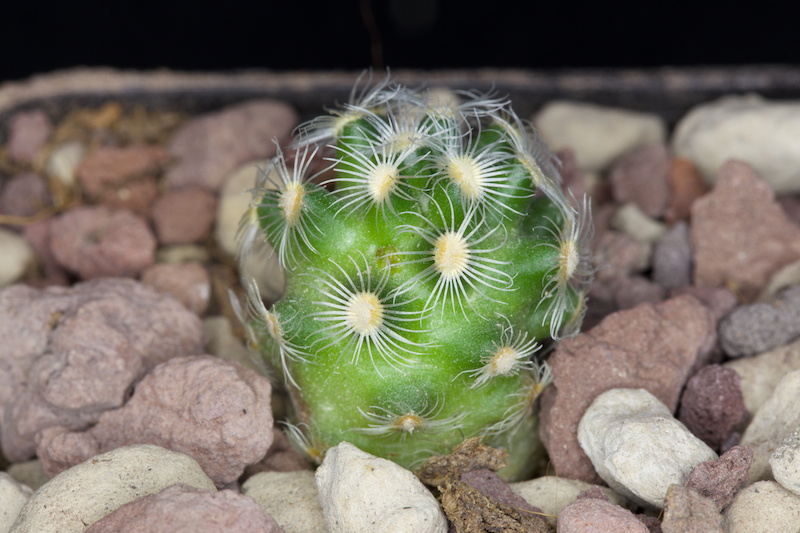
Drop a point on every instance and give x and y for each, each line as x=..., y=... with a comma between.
x=774, y=421
x=85, y=493
x=361, y=492
x=632, y=220
x=234, y=201
x=785, y=462
x=64, y=161
x=551, y=493
x=290, y=498
x=637, y=446
x=598, y=135
x=749, y=128
x=13, y=496
x=763, y=507
x=16, y=255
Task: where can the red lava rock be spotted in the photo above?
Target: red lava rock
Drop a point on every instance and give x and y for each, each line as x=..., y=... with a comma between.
x=672, y=258
x=641, y=177
x=210, y=409
x=740, y=235
x=210, y=147
x=25, y=195
x=110, y=167
x=609, y=295
x=189, y=283
x=184, y=216
x=712, y=405
x=650, y=346
x=791, y=207
x=281, y=457
x=492, y=486
x=719, y=300
x=28, y=131
x=686, y=186
x=591, y=515
x=686, y=511
x=719, y=480
x=68, y=354
x=135, y=196
x=38, y=236
x=184, y=509
x=617, y=254
x=573, y=181
x=593, y=492
x=97, y=242
x=650, y=522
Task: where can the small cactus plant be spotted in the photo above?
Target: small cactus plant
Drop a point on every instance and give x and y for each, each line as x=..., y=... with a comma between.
x=420, y=278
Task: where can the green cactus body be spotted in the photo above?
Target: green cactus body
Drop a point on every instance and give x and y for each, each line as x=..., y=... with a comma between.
x=420, y=279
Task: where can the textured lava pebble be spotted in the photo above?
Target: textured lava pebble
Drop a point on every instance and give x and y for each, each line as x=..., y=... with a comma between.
x=712, y=405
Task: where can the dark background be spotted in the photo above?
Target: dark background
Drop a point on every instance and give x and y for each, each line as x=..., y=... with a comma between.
x=38, y=37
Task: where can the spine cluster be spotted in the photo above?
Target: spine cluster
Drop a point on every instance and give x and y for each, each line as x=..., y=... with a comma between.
x=424, y=266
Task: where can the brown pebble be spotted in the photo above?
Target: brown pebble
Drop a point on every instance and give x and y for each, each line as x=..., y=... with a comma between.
x=110, y=167
x=686, y=511
x=189, y=283
x=720, y=480
x=686, y=186
x=184, y=216
x=641, y=177
x=28, y=131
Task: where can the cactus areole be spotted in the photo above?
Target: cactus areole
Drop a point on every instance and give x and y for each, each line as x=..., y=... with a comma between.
x=421, y=274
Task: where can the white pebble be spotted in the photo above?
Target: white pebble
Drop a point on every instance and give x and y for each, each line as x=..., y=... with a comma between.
x=290, y=498
x=17, y=255
x=64, y=161
x=763, y=507
x=13, y=496
x=598, y=135
x=773, y=422
x=632, y=220
x=785, y=462
x=749, y=128
x=234, y=201
x=551, y=493
x=637, y=446
x=361, y=492
x=85, y=493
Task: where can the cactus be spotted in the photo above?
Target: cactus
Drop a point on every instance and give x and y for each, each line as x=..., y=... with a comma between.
x=421, y=277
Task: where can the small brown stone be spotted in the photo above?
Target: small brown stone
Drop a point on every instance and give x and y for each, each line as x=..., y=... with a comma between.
x=686, y=511
x=24, y=195
x=189, y=283
x=184, y=216
x=686, y=186
x=719, y=480
x=641, y=177
x=595, y=515
x=110, y=167
x=135, y=196
x=28, y=131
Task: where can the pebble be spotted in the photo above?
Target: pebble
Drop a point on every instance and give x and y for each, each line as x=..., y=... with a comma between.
x=24, y=195
x=189, y=283
x=234, y=201
x=96, y=242
x=760, y=374
x=84, y=494
x=71, y=353
x=712, y=405
x=182, y=253
x=785, y=462
x=784, y=278
x=13, y=496
x=592, y=515
x=617, y=254
x=16, y=257
x=28, y=132
x=791, y=206
x=360, y=492
x=208, y=148
x=552, y=493
x=640, y=176
x=686, y=186
x=763, y=507
x=720, y=480
x=636, y=445
x=182, y=508
x=686, y=511
x=650, y=346
x=214, y=411
x=184, y=216
x=631, y=220
x=65, y=160
x=672, y=258
x=718, y=300
x=762, y=326
x=135, y=196
x=763, y=133
x=740, y=235
x=772, y=423
x=262, y=266
x=28, y=473
x=597, y=134
x=111, y=167
x=291, y=498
